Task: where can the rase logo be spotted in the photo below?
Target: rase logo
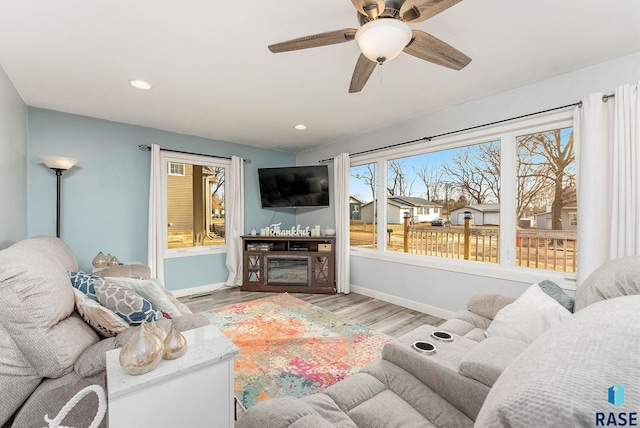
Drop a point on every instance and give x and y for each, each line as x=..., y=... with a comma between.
x=615, y=396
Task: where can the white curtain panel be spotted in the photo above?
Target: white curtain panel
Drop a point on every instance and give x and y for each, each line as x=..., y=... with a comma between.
x=625, y=208
x=154, y=251
x=341, y=170
x=608, y=178
x=234, y=203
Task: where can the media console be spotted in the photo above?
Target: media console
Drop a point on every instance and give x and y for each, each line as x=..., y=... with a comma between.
x=288, y=264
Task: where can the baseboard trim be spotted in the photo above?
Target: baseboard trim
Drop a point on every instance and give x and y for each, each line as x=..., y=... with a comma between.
x=194, y=291
x=410, y=304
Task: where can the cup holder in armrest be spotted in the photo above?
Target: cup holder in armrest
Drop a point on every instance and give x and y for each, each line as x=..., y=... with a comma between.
x=442, y=336
x=425, y=348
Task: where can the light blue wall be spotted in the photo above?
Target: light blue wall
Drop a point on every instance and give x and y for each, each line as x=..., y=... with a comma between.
x=437, y=287
x=13, y=164
x=105, y=196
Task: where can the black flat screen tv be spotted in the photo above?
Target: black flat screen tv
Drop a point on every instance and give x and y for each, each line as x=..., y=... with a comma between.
x=294, y=186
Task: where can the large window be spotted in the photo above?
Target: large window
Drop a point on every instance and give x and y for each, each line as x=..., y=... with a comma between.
x=195, y=206
x=502, y=196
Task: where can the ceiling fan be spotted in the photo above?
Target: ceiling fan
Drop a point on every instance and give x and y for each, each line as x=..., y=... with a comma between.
x=384, y=33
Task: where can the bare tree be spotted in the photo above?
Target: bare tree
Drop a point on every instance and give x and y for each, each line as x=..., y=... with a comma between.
x=552, y=161
x=368, y=177
x=398, y=183
x=489, y=158
x=531, y=185
x=216, y=175
x=476, y=172
x=432, y=180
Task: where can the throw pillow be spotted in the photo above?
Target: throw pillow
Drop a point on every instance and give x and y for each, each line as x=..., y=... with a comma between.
x=563, y=379
x=528, y=316
x=86, y=283
x=150, y=289
x=554, y=290
x=103, y=320
x=127, y=304
x=615, y=278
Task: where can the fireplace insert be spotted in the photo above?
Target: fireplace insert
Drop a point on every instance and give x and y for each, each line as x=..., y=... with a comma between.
x=287, y=270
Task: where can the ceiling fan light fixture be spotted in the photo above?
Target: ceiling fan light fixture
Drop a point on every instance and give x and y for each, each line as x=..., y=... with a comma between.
x=383, y=39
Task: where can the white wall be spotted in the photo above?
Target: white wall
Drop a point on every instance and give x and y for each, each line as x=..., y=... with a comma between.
x=13, y=164
x=431, y=287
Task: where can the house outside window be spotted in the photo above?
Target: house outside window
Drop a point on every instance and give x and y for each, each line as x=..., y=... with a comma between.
x=500, y=178
x=195, y=203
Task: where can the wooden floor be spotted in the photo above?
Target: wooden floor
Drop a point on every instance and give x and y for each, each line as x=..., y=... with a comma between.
x=376, y=314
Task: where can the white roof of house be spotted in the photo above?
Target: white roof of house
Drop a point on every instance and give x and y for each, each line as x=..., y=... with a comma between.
x=484, y=208
x=409, y=202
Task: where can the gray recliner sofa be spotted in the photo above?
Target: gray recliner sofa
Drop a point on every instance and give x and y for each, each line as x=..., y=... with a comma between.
x=563, y=378
x=47, y=351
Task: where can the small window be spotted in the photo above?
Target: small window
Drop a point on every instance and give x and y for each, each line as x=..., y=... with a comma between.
x=196, y=203
x=175, y=168
x=573, y=219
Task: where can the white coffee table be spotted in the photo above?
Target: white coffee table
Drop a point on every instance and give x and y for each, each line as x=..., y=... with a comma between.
x=193, y=391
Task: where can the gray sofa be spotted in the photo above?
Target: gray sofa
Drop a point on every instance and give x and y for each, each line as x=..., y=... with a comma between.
x=47, y=351
x=562, y=378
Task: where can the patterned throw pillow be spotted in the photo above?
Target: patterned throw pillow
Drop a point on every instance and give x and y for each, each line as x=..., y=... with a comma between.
x=127, y=304
x=150, y=289
x=86, y=283
x=103, y=320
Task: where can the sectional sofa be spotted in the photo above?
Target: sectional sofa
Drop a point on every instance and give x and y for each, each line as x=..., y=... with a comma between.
x=573, y=373
x=48, y=352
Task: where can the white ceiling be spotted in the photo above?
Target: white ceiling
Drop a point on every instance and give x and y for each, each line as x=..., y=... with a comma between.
x=214, y=77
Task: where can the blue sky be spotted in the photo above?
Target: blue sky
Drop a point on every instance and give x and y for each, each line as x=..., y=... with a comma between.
x=358, y=189
x=433, y=160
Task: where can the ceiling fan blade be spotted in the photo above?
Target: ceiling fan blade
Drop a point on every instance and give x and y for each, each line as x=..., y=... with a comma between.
x=364, y=68
x=314, y=41
x=419, y=10
x=432, y=49
x=369, y=8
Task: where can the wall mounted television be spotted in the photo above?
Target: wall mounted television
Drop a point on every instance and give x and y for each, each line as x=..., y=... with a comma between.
x=294, y=186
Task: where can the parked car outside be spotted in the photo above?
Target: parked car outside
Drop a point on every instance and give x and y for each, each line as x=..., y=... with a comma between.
x=441, y=222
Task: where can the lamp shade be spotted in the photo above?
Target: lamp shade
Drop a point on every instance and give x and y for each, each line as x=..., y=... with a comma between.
x=58, y=162
x=383, y=39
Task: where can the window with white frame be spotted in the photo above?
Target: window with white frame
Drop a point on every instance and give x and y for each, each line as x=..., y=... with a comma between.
x=195, y=201
x=175, y=168
x=497, y=187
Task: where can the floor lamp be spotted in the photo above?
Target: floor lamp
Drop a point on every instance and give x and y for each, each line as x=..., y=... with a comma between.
x=58, y=164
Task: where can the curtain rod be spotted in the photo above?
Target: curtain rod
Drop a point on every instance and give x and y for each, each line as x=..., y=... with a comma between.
x=146, y=147
x=605, y=98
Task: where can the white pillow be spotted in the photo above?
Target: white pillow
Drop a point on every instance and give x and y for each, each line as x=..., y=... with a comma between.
x=150, y=289
x=528, y=316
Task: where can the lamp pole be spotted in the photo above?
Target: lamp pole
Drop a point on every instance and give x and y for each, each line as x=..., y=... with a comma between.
x=58, y=172
x=58, y=164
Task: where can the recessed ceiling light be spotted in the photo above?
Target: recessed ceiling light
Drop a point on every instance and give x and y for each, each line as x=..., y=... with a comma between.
x=300, y=127
x=140, y=84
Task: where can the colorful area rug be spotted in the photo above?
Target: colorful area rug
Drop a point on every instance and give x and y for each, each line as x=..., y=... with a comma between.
x=289, y=347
